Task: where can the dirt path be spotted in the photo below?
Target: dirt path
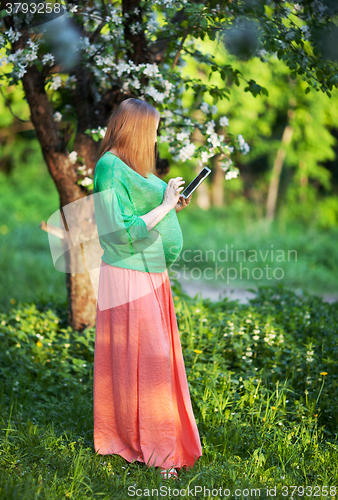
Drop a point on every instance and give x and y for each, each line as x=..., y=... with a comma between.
x=233, y=293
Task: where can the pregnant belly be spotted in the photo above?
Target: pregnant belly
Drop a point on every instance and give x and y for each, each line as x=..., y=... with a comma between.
x=171, y=237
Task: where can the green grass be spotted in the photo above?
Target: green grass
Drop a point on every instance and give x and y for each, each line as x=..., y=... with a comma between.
x=263, y=382
x=219, y=241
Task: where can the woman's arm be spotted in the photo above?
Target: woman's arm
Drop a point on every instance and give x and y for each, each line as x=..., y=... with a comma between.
x=170, y=199
x=154, y=216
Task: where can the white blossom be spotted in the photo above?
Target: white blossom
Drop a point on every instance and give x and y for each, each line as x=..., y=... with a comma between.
x=87, y=181
x=71, y=82
x=13, y=36
x=225, y=165
x=33, y=45
x=231, y=175
x=224, y=122
x=187, y=151
x=135, y=28
x=56, y=82
x=154, y=93
x=73, y=9
x=73, y=157
x=22, y=70
x=182, y=135
x=215, y=140
x=245, y=148
x=205, y=156
x=150, y=69
x=205, y=107
x=210, y=127
x=57, y=116
x=263, y=53
x=152, y=24
x=3, y=60
x=48, y=58
x=115, y=15
x=214, y=109
x=136, y=83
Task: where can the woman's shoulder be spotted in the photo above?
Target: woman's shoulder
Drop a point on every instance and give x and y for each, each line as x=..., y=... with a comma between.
x=157, y=180
x=111, y=165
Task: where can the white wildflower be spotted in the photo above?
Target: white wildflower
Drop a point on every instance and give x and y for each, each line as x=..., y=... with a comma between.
x=214, y=109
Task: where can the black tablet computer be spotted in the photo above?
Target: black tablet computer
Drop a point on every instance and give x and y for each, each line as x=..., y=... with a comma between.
x=196, y=182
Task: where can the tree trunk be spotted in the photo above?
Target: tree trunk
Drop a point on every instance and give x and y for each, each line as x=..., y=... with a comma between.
x=81, y=294
x=202, y=192
x=277, y=169
x=217, y=187
x=303, y=181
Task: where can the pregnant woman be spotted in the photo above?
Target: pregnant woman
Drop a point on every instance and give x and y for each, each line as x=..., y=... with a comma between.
x=142, y=406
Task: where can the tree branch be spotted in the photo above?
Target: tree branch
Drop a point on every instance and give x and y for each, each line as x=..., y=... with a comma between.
x=138, y=50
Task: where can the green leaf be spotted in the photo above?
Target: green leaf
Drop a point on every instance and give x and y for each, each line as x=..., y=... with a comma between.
x=307, y=90
x=204, y=23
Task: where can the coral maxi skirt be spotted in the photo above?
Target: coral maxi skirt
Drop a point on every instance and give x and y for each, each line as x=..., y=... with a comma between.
x=142, y=406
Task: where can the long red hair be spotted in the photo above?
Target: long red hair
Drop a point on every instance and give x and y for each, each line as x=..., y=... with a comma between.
x=130, y=132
